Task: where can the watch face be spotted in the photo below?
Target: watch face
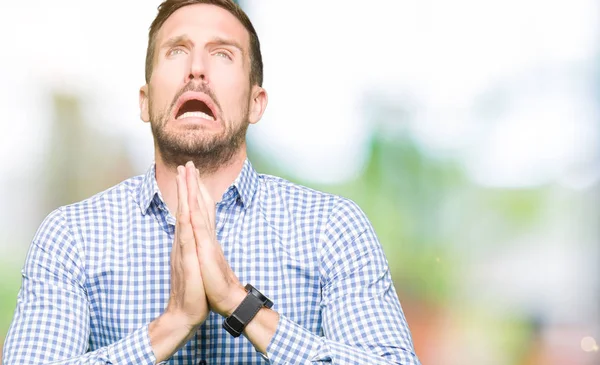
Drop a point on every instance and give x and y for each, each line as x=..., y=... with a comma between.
x=266, y=301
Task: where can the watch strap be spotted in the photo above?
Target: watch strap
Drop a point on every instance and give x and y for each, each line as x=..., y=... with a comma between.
x=243, y=314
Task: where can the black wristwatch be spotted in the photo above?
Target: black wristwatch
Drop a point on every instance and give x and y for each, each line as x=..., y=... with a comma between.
x=243, y=314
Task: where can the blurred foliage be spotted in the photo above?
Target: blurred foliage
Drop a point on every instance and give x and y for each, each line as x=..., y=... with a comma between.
x=9, y=287
x=81, y=161
x=426, y=212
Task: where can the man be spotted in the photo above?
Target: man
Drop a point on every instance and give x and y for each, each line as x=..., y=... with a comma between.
x=152, y=270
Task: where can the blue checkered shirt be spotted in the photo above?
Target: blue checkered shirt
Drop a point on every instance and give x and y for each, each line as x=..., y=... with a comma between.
x=97, y=274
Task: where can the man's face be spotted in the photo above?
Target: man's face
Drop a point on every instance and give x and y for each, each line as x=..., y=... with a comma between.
x=199, y=100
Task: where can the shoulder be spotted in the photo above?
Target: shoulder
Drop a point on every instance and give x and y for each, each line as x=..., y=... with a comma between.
x=64, y=220
x=116, y=197
x=62, y=234
x=279, y=190
x=338, y=211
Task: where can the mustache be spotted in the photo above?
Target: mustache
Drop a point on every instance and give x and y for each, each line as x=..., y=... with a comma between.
x=196, y=87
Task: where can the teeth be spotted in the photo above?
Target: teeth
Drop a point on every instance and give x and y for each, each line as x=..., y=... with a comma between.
x=196, y=115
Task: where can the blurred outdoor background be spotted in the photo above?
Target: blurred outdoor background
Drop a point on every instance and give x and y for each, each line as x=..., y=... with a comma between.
x=467, y=130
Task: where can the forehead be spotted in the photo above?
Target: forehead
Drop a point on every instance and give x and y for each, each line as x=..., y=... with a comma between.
x=202, y=22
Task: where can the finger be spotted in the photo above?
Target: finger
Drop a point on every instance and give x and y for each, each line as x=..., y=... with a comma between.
x=207, y=199
x=174, y=250
x=192, y=187
x=188, y=251
x=184, y=226
x=201, y=200
x=207, y=206
x=179, y=221
x=200, y=224
x=197, y=209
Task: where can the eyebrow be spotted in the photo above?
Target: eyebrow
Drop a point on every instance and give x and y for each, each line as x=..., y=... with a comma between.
x=227, y=42
x=184, y=39
x=173, y=41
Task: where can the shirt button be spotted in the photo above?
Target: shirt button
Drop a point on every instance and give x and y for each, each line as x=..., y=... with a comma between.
x=202, y=362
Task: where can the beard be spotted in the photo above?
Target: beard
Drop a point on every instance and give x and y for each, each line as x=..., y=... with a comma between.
x=208, y=151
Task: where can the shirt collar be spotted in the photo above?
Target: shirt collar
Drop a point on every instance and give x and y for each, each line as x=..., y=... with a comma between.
x=148, y=189
x=245, y=185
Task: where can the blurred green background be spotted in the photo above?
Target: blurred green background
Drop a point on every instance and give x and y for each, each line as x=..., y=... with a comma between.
x=467, y=131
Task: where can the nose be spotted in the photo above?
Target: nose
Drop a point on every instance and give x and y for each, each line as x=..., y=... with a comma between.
x=197, y=69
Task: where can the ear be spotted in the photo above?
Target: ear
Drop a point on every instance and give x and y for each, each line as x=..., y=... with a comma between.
x=144, y=112
x=258, y=103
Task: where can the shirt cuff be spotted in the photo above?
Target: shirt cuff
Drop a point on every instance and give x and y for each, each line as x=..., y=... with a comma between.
x=133, y=349
x=293, y=344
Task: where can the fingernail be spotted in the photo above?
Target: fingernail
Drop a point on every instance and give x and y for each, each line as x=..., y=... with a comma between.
x=189, y=164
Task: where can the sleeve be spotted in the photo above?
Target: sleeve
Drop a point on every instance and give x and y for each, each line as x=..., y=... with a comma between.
x=51, y=323
x=363, y=322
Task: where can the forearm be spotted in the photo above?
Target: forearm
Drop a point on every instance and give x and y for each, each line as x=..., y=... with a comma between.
x=293, y=344
x=167, y=334
x=262, y=328
x=133, y=349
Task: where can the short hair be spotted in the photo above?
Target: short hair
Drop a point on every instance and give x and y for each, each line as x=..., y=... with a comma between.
x=168, y=7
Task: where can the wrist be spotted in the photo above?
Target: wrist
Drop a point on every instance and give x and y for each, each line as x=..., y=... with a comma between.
x=234, y=299
x=250, y=306
x=168, y=333
x=262, y=328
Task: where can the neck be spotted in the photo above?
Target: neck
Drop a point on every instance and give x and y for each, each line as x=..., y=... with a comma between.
x=216, y=180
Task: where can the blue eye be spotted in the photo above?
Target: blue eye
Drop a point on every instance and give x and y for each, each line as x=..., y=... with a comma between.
x=175, y=52
x=223, y=54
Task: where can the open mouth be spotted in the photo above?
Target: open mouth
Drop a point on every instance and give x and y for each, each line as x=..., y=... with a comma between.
x=195, y=108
